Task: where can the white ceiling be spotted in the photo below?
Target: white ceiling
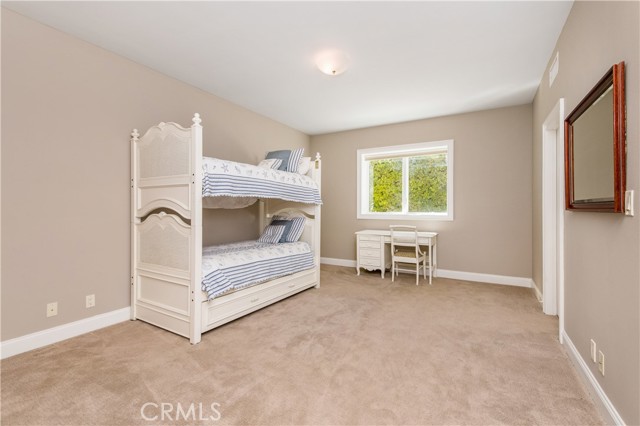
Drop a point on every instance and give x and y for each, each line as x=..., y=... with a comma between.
x=409, y=60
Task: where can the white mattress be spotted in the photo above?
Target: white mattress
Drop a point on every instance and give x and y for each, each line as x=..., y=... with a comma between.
x=227, y=184
x=235, y=266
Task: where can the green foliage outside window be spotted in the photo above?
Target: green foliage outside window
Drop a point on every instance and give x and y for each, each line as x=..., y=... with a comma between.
x=427, y=184
x=385, y=190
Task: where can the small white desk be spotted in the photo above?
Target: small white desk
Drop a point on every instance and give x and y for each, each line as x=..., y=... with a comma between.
x=373, y=253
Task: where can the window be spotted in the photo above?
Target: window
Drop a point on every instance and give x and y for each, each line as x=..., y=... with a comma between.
x=406, y=182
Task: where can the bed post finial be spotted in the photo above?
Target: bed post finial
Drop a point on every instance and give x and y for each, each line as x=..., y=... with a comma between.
x=134, y=135
x=317, y=156
x=196, y=119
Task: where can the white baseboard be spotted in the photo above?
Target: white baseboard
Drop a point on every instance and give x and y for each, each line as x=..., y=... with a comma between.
x=63, y=332
x=537, y=290
x=456, y=275
x=338, y=262
x=486, y=278
x=605, y=407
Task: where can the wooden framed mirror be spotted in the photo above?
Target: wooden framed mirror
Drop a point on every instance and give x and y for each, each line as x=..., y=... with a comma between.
x=595, y=147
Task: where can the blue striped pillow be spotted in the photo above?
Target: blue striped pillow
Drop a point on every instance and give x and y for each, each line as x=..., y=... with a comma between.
x=272, y=234
x=294, y=160
x=297, y=227
x=287, y=228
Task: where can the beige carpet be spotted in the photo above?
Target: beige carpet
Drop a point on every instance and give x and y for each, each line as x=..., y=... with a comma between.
x=359, y=350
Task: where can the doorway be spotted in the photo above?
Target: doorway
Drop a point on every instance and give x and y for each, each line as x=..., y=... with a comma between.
x=553, y=214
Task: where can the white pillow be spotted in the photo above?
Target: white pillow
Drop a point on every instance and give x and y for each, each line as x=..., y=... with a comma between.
x=271, y=163
x=304, y=165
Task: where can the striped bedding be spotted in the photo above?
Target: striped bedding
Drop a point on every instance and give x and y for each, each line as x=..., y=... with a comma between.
x=230, y=267
x=222, y=178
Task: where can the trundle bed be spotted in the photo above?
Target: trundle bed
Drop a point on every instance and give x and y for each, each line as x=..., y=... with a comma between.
x=172, y=285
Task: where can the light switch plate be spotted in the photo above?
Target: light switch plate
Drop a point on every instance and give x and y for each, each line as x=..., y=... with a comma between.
x=628, y=202
x=601, y=362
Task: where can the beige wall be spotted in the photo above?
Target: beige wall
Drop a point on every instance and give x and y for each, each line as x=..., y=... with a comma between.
x=491, y=230
x=602, y=290
x=68, y=108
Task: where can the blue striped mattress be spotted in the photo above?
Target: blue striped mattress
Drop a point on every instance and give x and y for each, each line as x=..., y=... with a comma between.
x=235, y=266
x=222, y=178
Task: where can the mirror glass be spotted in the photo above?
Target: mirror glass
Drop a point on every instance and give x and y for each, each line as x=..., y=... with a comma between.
x=593, y=154
x=595, y=147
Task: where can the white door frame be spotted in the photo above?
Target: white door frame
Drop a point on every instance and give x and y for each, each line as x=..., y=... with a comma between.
x=553, y=214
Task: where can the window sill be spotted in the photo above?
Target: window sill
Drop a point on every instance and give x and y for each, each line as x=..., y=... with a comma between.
x=444, y=217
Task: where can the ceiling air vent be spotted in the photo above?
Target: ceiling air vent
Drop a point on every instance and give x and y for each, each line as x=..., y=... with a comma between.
x=553, y=70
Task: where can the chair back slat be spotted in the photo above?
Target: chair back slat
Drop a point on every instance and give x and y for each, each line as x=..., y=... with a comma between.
x=404, y=236
x=405, y=249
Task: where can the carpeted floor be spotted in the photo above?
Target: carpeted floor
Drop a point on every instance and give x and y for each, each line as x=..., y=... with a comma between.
x=357, y=351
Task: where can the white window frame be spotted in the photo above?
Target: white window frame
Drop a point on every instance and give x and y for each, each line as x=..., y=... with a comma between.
x=402, y=150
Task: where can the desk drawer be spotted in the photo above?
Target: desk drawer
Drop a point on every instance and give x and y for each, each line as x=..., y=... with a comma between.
x=369, y=238
x=364, y=252
x=370, y=261
x=369, y=244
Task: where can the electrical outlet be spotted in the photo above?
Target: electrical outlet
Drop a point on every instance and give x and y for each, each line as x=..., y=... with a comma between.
x=52, y=309
x=91, y=301
x=593, y=351
x=601, y=362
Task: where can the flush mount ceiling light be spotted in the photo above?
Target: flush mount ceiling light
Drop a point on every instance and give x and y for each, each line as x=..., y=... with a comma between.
x=332, y=62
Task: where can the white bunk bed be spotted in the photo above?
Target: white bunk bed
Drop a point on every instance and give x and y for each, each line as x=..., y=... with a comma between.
x=166, y=237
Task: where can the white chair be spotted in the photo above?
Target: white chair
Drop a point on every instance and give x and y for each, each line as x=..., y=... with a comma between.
x=405, y=249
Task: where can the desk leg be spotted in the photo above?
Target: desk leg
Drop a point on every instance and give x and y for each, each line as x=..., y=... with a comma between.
x=435, y=258
x=358, y=270
x=430, y=264
x=384, y=255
